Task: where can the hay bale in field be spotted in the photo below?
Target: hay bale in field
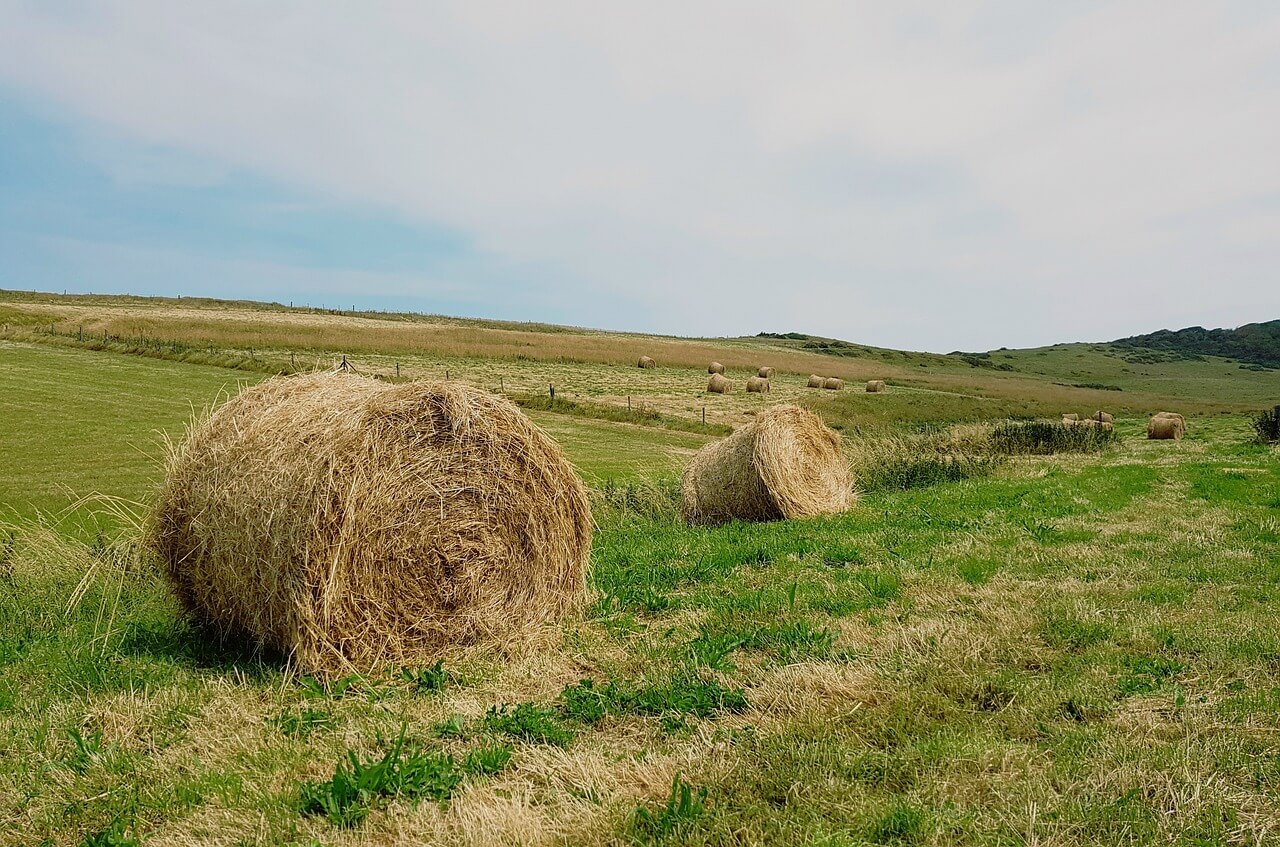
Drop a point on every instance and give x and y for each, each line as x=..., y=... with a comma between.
x=715, y=368
x=355, y=524
x=832, y=383
x=1103, y=417
x=1165, y=428
x=784, y=464
x=646, y=362
x=718, y=385
x=765, y=373
x=875, y=386
x=815, y=381
x=757, y=385
x=1182, y=422
x=1072, y=416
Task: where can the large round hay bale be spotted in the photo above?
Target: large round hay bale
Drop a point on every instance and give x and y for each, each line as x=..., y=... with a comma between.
x=784, y=464
x=1103, y=417
x=815, y=381
x=1072, y=416
x=1164, y=428
x=765, y=373
x=715, y=368
x=718, y=385
x=757, y=385
x=831, y=383
x=875, y=386
x=355, y=524
x=646, y=362
x=1182, y=422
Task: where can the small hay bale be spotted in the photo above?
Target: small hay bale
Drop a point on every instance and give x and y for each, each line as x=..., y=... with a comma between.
x=1072, y=416
x=815, y=381
x=831, y=383
x=765, y=373
x=784, y=464
x=718, y=385
x=758, y=385
x=715, y=368
x=646, y=362
x=1103, y=417
x=1164, y=428
x=1182, y=422
x=875, y=386
x=354, y=524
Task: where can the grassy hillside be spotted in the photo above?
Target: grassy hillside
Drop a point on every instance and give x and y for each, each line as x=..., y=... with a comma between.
x=1252, y=343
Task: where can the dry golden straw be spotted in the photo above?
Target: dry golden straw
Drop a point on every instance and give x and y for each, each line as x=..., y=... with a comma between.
x=785, y=464
x=875, y=386
x=765, y=372
x=355, y=524
x=757, y=385
x=715, y=368
x=718, y=385
x=831, y=383
x=1166, y=425
x=815, y=381
x=646, y=362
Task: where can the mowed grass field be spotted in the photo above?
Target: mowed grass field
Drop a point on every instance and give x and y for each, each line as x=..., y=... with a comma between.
x=1064, y=649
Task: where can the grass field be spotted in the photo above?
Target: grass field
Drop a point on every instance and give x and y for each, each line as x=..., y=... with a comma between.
x=1074, y=648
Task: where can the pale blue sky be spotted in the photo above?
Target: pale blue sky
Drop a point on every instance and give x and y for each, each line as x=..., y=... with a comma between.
x=938, y=176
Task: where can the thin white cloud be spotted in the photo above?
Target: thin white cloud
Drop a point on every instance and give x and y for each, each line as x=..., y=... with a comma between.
x=969, y=176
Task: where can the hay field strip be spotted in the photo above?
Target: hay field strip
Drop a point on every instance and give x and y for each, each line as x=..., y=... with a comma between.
x=437, y=342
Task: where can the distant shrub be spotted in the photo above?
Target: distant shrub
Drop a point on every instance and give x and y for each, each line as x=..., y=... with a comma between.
x=1267, y=426
x=1043, y=438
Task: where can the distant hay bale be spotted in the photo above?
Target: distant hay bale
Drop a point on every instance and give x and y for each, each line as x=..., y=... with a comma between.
x=715, y=368
x=831, y=383
x=718, y=385
x=355, y=524
x=757, y=385
x=1071, y=417
x=1182, y=422
x=875, y=386
x=1104, y=417
x=815, y=381
x=646, y=362
x=765, y=373
x=784, y=464
x=1165, y=428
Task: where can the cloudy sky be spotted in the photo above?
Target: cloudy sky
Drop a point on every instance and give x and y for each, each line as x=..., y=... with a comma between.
x=948, y=175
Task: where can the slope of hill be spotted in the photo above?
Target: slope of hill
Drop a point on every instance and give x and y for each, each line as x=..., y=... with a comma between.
x=1257, y=344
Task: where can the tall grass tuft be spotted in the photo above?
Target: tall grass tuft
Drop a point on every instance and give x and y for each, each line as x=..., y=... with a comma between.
x=918, y=460
x=1041, y=438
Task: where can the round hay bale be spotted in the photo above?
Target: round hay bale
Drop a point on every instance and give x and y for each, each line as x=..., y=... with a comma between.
x=831, y=383
x=757, y=385
x=784, y=464
x=1182, y=422
x=1164, y=428
x=815, y=381
x=355, y=524
x=1103, y=417
x=1072, y=416
x=765, y=373
x=875, y=386
x=718, y=385
x=715, y=368
x=646, y=362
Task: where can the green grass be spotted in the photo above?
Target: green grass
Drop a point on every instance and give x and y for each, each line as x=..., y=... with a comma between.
x=1069, y=648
